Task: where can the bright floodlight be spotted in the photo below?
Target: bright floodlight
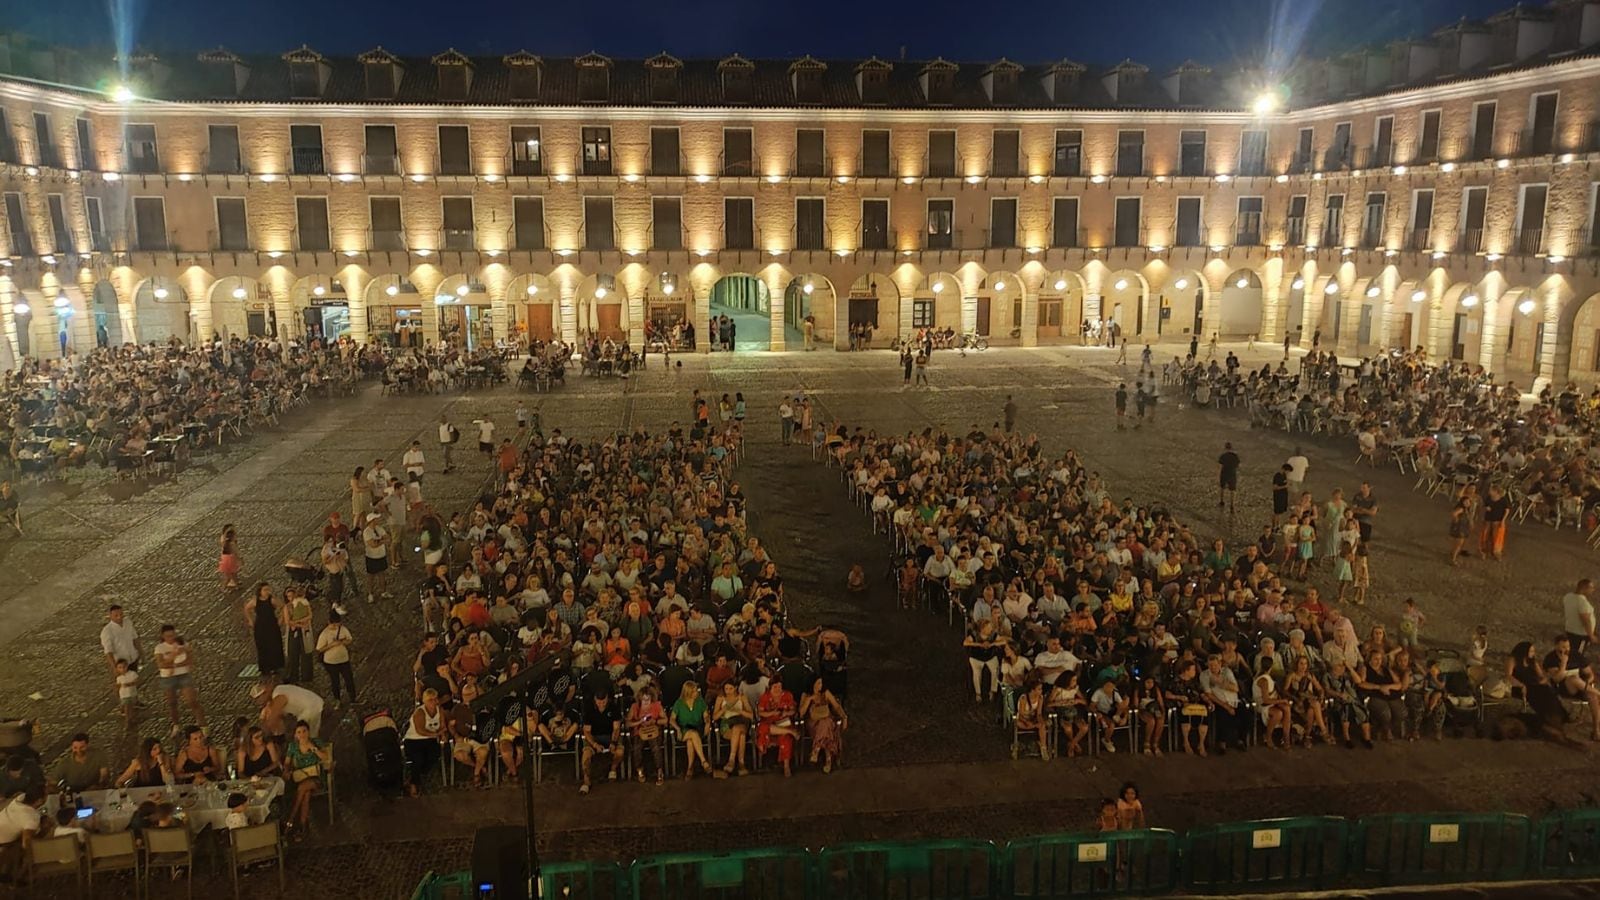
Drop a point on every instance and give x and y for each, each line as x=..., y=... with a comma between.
x=1265, y=103
x=1182, y=284
x=1526, y=306
x=1061, y=284
x=122, y=94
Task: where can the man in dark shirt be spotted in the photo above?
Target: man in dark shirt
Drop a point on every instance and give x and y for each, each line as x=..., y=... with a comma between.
x=1227, y=476
x=1365, y=506
x=1496, y=511
x=602, y=733
x=1280, y=493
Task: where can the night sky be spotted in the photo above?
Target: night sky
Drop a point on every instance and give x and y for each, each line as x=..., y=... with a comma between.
x=1156, y=32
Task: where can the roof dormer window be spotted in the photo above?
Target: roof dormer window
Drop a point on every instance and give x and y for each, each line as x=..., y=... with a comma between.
x=872, y=81
x=938, y=80
x=1000, y=82
x=805, y=77
x=525, y=69
x=382, y=70
x=308, y=73
x=735, y=72
x=594, y=78
x=664, y=68
x=454, y=72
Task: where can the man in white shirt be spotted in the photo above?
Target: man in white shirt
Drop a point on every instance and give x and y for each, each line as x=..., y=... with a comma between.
x=786, y=419
x=413, y=461
x=119, y=639
x=1577, y=616
x=1055, y=661
x=485, y=435
x=1298, y=464
x=378, y=477
x=287, y=699
x=447, y=440
x=375, y=544
x=19, y=825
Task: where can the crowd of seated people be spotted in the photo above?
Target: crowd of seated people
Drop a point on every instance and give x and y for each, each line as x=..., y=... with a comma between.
x=438, y=368
x=627, y=564
x=1085, y=617
x=668, y=335
x=607, y=356
x=127, y=405
x=1448, y=422
x=546, y=364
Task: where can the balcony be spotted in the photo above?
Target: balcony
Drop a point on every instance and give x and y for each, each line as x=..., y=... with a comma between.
x=380, y=164
x=312, y=241
x=1068, y=161
x=1188, y=235
x=739, y=239
x=1534, y=142
x=1130, y=163
x=1379, y=157
x=1002, y=167
x=528, y=236
x=1127, y=237
x=457, y=238
x=939, y=240
x=1589, y=243
x=99, y=242
x=222, y=163
x=1419, y=239
x=1471, y=241
x=8, y=150
x=876, y=167
x=737, y=166
x=1067, y=238
x=1253, y=168
x=1192, y=163
x=455, y=165
x=1530, y=241
x=1589, y=138
x=386, y=239
x=1299, y=164
x=307, y=161
x=1000, y=238
x=1247, y=232
x=877, y=239
x=143, y=161
x=666, y=238
x=1332, y=233
x=1294, y=230
x=21, y=244
x=1427, y=152
x=813, y=237
x=815, y=168
x=157, y=242
x=597, y=165
x=49, y=156
x=1337, y=159
x=1481, y=148
x=1371, y=237
x=940, y=166
x=228, y=241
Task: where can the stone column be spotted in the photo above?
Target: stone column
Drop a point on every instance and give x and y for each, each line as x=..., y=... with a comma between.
x=1030, y=317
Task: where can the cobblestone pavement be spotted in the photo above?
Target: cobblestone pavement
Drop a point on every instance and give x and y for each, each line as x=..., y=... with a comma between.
x=914, y=733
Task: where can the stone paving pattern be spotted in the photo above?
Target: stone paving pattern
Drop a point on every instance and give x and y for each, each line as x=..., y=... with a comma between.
x=921, y=760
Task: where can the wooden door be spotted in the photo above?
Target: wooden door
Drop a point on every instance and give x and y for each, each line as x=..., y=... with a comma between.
x=1403, y=339
x=609, y=321
x=982, y=324
x=541, y=321
x=1049, y=318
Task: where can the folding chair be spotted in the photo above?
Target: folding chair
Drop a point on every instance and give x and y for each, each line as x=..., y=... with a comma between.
x=251, y=845
x=169, y=848
x=54, y=857
x=113, y=853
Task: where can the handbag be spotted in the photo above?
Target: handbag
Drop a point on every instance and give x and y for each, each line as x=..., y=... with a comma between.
x=305, y=772
x=1194, y=709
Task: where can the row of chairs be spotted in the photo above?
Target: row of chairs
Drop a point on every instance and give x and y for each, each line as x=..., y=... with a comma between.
x=158, y=849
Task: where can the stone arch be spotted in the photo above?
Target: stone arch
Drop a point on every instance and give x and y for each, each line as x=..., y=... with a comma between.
x=1003, y=293
x=602, y=307
x=108, y=328
x=309, y=296
x=1582, y=322
x=233, y=298
x=1458, y=328
x=396, y=311
x=1182, y=301
x=937, y=302
x=810, y=295
x=873, y=299
x=1405, y=315
x=746, y=298
x=1060, y=317
x=1240, y=305
x=161, y=310
x=1123, y=295
x=533, y=303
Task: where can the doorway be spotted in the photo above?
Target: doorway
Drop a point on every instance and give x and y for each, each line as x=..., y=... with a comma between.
x=1405, y=339
x=1050, y=318
x=1458, y=350
x=744, y=299
x=981, y=321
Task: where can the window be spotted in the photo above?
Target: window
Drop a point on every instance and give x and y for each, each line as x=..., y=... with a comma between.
x=738, y=223
x=1428, y=136
x=382, y=151
x=143, y=156
x=874, y=85
x=527, y=151
x=527, y=223
x=594, y=82
x=1253, y=152
x=1302, y=151
x=233, y=224
x=97, y=224
x=808, y=85
x=922, y=314
x=1187, y=230
x=458, y=226
x=1483, y=129
x=809, y=230
x=664, y=156
x=1069, y=152
x=17, y=223
x=1421, y=219
x=45, y=141
x=598, y=231
x=305, y=150
x=222, y=150
x=149, y=223
x=941, y=224
x=524, y=79
x=305, y=79
x=1003, y=162
x=941, y=154
x=8, y=149
x=1247, y=229
x=388, y=233
x=1474, y=204
x=1383, y=141
x=809, y=161
x=666, y=223
x=1372, y=222
x=1130, y=153
x=1064, y=222
x=596, y=150
x=1539, y=139
x=1191, y=153
x=455, y=150
x=1339, y=151
x=1003, y=222
x=311, y=222
x=1530, y=219
x=875, y=154
x=875, y=224
x=56, y=206
x=1333, y=221
x=737, y=152
x=1127, y=222
x=87, y=158
x=664, y=83
x=1295, y=222
x=381, y=80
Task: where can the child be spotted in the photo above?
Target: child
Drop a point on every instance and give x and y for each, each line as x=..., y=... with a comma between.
x=856, y=582
x=1363, y=577
x=1344, y=569
x=1459, y=529
x=238, y=812
x=228, y=564
x=522, y=416
x=1411, y=622
x=127, y=682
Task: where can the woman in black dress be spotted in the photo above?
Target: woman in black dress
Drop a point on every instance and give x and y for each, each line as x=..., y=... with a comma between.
x=261, y=614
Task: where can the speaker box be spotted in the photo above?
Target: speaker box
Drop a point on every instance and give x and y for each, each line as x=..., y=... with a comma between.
x=500, y=862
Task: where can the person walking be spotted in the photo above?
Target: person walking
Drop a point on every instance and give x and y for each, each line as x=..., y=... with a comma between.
x=1122, y=406
x=375, y=540
x=448, y=436
x=1298, y=464
x=1010, y=412
x=414, y=462
x=922, y=368
x=1227, y=476
x=228, y=564
x=786, y=419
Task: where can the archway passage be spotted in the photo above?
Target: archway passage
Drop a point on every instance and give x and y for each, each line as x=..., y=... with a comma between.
x=161, y=312
x=745, y=306
x=1239, y=306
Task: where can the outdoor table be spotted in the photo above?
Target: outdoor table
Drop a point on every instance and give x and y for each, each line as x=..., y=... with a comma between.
x=202, y=805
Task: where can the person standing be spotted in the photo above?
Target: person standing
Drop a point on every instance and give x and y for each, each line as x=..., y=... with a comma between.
x=1298, y=464
x=1365, y=505
x=1577, y=614
x=906, y=363
x=1122, y=406
x=1146, y=360
x=448, y=436
x=1280, y=493
x=333, y=645
x=1227, y=476
x=119, y=640
x=335, y=561
x=413, y=461
x=175, y=666
x=263, y=615
x=1010, y=412
x=485, y=435
x=922, y=366
x=786, y=419
x=1496, y=515
x=375, y=540
x=394, y=509
x=228, y=564
x=809, y=326
x=1194, y=346
x=297, y=630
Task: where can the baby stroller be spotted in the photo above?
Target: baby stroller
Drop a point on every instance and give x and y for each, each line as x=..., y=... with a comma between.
x=380, y=739
x=306, y=572
x=1463, y=700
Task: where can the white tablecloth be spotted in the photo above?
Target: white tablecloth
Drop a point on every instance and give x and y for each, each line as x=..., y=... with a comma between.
x=204, y=806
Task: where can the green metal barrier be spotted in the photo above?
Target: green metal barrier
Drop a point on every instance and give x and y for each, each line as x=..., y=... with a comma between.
x=454, y=886
x=1443, y=847
x=1568, y=844
x=774, y=874
x=585, y=880
x=939, y=870
x=1303, y=853
x=1054, y=866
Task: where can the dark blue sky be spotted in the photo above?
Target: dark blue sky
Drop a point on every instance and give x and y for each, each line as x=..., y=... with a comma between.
x=1157, y=32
